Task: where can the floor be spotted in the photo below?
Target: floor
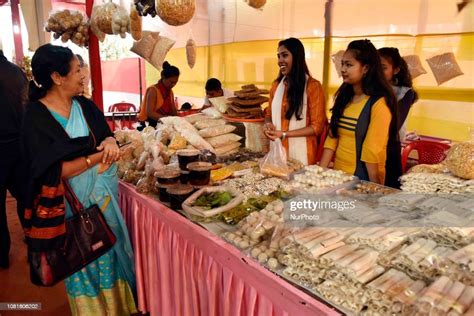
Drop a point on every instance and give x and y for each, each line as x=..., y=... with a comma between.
x=15, y=285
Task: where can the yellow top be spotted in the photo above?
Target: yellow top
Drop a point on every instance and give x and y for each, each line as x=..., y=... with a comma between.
x=375, y=143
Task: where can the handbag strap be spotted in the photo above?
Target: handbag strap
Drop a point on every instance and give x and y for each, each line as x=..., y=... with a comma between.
x=71, y=197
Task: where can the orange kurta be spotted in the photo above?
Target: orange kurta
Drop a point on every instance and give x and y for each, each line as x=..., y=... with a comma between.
x=315, y=114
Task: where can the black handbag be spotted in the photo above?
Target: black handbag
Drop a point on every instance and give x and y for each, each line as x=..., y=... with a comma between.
x=88, y=236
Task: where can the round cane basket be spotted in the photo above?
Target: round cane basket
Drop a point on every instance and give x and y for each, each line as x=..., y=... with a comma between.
x=175, y=12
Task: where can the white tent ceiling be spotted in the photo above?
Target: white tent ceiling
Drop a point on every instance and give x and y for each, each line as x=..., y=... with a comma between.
x=224, y=21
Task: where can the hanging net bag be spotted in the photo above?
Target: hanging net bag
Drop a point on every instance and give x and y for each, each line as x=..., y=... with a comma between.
x=175, y=12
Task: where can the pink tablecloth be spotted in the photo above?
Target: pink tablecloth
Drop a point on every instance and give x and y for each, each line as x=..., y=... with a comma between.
x=182, y=269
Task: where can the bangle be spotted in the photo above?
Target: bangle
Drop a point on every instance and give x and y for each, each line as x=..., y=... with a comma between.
x=283, y=136
x=88, y=161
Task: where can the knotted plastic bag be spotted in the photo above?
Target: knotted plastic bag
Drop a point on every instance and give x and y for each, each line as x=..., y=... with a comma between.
x=275, y=162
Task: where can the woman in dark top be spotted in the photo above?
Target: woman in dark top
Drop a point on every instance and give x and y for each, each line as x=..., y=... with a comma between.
x=396, y=72
x=66, y=138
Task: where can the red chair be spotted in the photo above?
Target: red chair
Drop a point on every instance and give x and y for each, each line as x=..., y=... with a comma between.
x=123, y=107
x=428, y=152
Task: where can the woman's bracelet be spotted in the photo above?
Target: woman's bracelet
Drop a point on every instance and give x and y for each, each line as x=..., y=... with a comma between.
x=88, y=161
x=283, y=136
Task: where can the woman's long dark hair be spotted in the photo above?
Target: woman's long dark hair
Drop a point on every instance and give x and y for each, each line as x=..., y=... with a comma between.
x=403, y=77
x=296, y=79
x=373, y=84
x=47, y=60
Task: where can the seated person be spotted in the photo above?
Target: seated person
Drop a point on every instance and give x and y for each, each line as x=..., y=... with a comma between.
x=214, y=90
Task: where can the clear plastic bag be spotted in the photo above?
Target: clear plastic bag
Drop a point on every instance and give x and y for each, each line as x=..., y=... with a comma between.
x=101, y=19
x=120, y=21
x=444, y=67
x=275, y=162
x=336, y=59
x=69, y=25
x=414, y=65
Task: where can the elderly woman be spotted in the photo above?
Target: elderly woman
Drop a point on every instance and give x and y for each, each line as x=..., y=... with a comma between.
x=66, y=138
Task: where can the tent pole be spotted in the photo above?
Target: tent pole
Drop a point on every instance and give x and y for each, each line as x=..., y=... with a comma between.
x=94, y=60
x=327, y=45
x=140, y=79
x=17, y=32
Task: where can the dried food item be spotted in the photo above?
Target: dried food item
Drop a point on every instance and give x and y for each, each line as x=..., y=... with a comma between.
x=316, y=178
x=217, y=130
x=444, y=67
x=223, y=140
x=191, y=52
x=435, y=183
x=373, y=188
x=243, y=155
x=423, y=168
x=135, y=23
x=249, y=87
x=252, y=110
x=69, y=25
x=177, y=142
x=161, y=48
x=248, y=102
x=120, y=21
x=226, y=149
x=175, y=12
x=207, y=122
x=294, y=165
x=256, y=184
x=247, y=95
x=460, y=160
x=144, y=47
x=194, y=118
x=414, y=65
x=219, y=103
x=103, y=17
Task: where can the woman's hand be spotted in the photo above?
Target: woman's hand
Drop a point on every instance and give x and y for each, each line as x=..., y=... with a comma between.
x=110, y=149
x=273, y=134
x=102, y=167
x=268, y=130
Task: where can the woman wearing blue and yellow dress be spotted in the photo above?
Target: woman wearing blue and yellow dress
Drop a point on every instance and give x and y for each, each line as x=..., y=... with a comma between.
x=66, y=138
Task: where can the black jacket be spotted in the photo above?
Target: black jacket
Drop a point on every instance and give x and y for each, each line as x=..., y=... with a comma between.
x=13, y=92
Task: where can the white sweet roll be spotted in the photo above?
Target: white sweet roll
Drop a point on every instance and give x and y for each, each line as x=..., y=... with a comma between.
x=465, y=300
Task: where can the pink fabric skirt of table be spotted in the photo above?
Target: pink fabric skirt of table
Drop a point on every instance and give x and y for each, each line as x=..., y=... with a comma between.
x=182, y=269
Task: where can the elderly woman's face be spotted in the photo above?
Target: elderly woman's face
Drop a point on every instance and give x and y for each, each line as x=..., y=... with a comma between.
x=73, y=82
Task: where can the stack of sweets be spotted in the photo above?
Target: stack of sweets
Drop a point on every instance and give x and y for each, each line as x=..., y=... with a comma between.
x=247, y=102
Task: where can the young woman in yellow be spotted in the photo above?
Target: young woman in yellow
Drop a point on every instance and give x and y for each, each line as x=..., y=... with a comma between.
x=159, y=98
x=296, y=111
x=363, y=117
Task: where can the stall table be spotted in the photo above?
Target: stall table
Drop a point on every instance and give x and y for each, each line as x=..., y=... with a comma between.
x=183, y=269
